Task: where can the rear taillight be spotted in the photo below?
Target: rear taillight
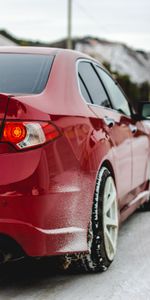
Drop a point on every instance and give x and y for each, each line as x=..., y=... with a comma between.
x=29, y=134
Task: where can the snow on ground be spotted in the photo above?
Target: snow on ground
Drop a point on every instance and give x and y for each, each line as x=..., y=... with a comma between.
x=127, y=279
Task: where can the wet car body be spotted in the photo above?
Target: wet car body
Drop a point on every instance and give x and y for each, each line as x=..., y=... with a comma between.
x=46, y=192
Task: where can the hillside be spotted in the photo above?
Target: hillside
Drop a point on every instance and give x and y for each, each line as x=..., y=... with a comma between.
x=122, y=59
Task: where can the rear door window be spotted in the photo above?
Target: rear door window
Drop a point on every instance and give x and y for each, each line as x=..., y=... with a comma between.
x=118, y=99
x=90, y=85
x=84, y=90
x=24, y=73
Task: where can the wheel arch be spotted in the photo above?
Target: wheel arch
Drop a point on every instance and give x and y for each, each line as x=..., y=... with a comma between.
x=109, y=166
x=9, y=248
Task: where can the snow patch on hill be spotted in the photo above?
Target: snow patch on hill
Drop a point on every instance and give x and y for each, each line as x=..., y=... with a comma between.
x=120, y=57
x=6, y=42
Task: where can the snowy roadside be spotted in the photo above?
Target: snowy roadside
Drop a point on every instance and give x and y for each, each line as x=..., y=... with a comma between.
x=127, y=279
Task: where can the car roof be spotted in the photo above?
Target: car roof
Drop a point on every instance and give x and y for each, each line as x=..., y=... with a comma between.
x=39, y=50
x=32, y=50
x=45, y=50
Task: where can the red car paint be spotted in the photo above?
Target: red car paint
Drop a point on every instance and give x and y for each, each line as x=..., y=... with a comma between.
x=46, y=193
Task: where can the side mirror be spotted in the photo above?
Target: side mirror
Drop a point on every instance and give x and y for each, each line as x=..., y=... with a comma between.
x=144, y=110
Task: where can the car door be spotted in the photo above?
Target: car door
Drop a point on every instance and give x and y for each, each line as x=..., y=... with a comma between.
x=140, y=152
x=139, y=138
x=115, y=123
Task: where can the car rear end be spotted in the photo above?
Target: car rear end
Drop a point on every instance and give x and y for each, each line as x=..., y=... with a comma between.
x=32, y=220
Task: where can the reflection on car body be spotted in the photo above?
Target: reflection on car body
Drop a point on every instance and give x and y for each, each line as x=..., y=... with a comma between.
x=75, y=160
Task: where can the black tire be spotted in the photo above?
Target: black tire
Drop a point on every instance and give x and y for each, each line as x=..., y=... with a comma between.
x=97, y=259
x=145, y=206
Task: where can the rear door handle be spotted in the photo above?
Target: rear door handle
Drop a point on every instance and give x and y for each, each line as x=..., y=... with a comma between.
x=133, y=128
x=109, y=121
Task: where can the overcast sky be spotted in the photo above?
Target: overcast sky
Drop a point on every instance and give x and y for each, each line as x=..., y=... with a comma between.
x=127, y=21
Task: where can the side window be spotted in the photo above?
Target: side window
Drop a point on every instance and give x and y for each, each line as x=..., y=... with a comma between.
x=84, y=90
x=118, y=99
x=90, y=85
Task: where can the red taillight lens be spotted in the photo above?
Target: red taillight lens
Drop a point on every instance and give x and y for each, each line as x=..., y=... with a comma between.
x=14, y=132
x=50, y=131
x=29, y=134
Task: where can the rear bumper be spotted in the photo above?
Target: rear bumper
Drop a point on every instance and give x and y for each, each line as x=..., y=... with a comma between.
x=43, y=225
x=45, y=200
x=43, y=242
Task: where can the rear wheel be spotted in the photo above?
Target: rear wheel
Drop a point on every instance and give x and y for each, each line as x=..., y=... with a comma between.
x=146, y=205
x=103, y=228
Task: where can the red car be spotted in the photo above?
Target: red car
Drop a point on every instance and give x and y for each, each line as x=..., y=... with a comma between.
x=74, y=157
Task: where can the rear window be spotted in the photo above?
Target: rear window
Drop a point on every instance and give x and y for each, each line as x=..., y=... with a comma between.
x=24, y=73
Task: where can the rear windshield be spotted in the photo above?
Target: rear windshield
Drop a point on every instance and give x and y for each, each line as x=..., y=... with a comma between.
x=24, y=73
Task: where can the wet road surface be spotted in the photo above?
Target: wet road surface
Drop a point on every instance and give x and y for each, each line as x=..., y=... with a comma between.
x=128, y=278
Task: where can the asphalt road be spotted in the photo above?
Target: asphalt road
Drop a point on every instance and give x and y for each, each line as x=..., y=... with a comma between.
x=128, y=278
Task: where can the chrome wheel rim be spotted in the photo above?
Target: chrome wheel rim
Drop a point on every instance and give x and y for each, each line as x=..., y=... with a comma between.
x=110, y=218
